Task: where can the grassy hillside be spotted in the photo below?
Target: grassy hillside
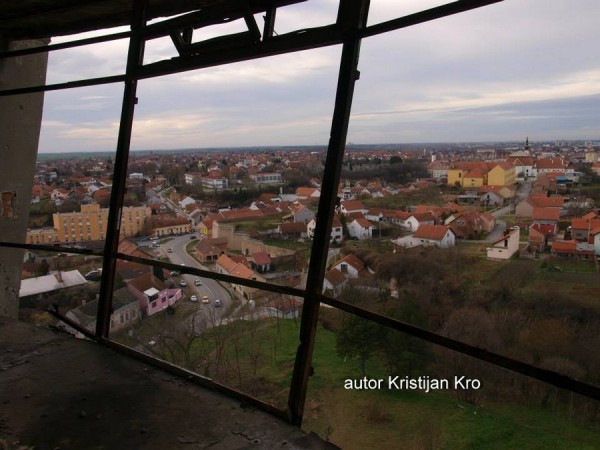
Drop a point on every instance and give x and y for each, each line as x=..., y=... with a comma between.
x=387, y=419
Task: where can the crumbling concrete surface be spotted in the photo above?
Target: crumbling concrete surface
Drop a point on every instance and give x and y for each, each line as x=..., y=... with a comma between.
x=58, y=392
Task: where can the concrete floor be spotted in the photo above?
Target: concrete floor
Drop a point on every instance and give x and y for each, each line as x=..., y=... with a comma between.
x=60, y=393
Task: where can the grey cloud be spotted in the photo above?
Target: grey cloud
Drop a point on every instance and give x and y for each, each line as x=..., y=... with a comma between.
x=406, y=80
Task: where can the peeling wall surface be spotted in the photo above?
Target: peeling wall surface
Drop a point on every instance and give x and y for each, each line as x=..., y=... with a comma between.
x=20, y=121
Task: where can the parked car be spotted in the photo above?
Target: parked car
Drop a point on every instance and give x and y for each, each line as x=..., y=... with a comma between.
x=93, y=275
x=217, y=302
x=194, y=298
x=183, y=283
x=205, y=299
x=169, y=250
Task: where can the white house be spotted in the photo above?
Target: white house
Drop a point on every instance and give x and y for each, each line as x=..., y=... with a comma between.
x=360, y=228
x=430, y=235
x=353, y=206
x=350, y=266
x=523, y=166
x=374, y=215
x=506, y=246
x=335, y=282
x=337, y=233
x=301, y=213
x=548, y=165
x=405, y=242
x=596, y=233
x=414, y=222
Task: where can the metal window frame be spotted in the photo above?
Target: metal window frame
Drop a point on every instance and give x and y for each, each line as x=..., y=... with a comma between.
x=350, y=28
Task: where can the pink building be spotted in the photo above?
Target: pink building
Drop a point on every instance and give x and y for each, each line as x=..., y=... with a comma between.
x=153, y=294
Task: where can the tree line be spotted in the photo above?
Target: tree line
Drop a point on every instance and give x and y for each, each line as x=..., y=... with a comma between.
x=511, y=311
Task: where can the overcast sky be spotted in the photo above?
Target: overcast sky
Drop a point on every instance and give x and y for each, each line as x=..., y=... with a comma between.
x=502, y=72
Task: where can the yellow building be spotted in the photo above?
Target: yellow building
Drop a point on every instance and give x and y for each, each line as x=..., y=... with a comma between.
x=455, y=176
x=42, y=236
x=502, y=175
x=90, y=224
x=474, y=178
x=168, y=226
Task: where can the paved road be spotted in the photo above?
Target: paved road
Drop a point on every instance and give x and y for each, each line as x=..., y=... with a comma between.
x=522, y=193
x=211, y=288
x=497, y=232
x=500, y=227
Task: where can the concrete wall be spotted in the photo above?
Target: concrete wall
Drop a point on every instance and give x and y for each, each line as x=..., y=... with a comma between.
x=20, y=122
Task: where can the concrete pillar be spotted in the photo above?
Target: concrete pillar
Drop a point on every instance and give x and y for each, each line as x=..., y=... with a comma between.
x=20, y=123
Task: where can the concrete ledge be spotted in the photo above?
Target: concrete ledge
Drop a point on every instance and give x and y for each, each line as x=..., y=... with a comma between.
x=58, y=392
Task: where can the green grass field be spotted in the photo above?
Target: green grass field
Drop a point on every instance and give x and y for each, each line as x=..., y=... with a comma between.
x=265, y=350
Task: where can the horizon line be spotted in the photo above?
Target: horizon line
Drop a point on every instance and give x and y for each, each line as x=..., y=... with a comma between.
x=350, y=144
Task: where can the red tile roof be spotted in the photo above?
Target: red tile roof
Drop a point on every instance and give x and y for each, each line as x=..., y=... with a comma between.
x=261, y=258
x=292, y=227
x=147, y=281
x=353, y=205
x=240, y=214
x=351, y=260
x=521, y=160
x=572, y=247
x=579, y=223
x=423, y=216
x=335, y=277
x=161, y=221
x=305, y=191
x=237, y=269
x=550, y=163
x=545, y=214
x=432, y=232
x=542, y=201
x=364, y=223
x=546, y=229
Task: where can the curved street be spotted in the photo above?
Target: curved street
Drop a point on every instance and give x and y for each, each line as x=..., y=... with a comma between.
x=213, y=289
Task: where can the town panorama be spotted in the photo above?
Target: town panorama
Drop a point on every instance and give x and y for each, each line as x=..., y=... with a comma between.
x=493, y=244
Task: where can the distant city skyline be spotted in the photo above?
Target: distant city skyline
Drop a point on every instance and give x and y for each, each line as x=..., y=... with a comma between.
x=498, y=73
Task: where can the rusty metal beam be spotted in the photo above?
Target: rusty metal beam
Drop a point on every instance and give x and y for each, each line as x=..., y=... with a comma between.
x=352, y=17
x=269, y=28
x=427, y=15
x=243, y=48
x=135, y=58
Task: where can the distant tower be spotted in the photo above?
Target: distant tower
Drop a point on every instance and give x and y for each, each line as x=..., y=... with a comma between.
x=527, y=144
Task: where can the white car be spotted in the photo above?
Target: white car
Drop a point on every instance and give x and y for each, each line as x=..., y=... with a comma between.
x=194, y=298
x=183, y=283
x=197, y=282
x=217, y=302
